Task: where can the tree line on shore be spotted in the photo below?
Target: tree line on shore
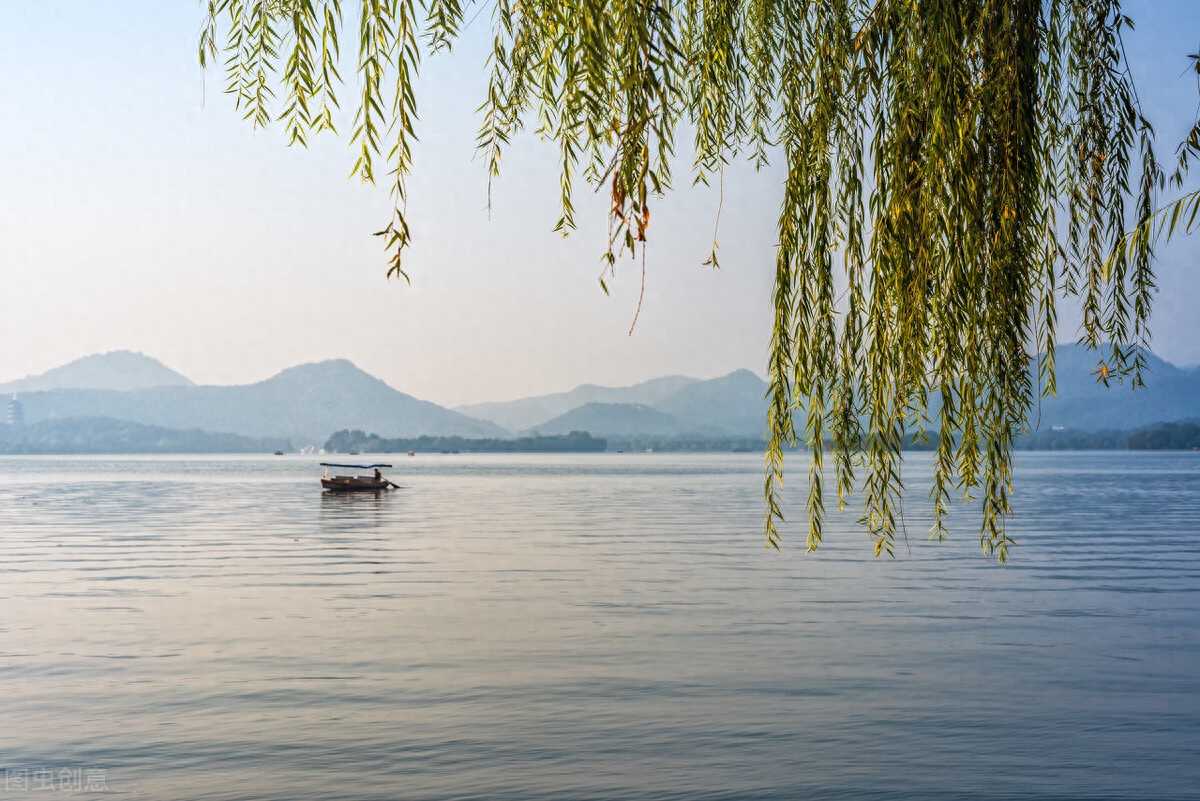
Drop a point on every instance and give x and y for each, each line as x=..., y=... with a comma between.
x=345, y=441
x=1183, y=435
x=106, y=435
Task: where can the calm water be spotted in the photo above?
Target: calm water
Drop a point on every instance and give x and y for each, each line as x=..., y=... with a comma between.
x=588, y=627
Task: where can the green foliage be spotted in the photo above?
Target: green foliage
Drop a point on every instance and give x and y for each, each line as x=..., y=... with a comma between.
x=1181, y=215
x=685, y=444
x=1168, y=436
x=953, y=169
x=1073, y=440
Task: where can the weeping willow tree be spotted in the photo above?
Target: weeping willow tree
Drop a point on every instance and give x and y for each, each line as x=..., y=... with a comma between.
x=954, y=169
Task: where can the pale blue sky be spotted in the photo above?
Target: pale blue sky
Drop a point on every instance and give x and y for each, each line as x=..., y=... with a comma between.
x=138, y=211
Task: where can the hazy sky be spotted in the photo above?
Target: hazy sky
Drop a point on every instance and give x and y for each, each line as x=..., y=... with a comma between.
x=138, y=211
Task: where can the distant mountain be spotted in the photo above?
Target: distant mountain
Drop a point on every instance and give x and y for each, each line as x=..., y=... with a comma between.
x=105, y=435
x=120, y=370
x=1083, y=405
x=616, y=419
x=1170, y=394
x=529, y=413
x=732, y=405
x=305, y=404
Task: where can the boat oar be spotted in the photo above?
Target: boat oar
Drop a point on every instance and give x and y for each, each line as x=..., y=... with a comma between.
x=395, y=485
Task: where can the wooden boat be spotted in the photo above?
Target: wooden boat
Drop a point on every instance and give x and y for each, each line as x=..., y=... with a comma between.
x=355, y=483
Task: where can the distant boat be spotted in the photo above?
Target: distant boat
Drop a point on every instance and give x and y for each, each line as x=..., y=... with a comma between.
x=279, y=453
x=373, y=482
x=410, y=453
x=355, y=452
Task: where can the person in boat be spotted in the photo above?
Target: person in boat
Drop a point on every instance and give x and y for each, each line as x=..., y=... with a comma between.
x=378, y=475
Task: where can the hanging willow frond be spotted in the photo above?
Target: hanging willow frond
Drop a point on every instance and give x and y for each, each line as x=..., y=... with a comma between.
x=958, y=166
x=1181, y=215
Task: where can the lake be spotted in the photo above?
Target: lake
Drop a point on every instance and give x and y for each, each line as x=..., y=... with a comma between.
x=603, y=626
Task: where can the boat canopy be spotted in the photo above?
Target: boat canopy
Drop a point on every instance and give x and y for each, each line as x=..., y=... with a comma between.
x=355, y=466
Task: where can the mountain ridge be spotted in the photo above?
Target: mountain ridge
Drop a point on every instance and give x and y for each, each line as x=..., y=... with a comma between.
x=615, y=420
x=119, y=370
x=1171, y=393
x=307, y=402
x=524, y=414
x=730, y=405
x=734, y=405
x=304, y=403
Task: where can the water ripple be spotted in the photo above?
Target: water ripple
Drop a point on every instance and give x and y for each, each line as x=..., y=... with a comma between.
x=591, y=627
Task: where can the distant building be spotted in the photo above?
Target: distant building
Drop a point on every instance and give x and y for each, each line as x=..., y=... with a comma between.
x=16, y=414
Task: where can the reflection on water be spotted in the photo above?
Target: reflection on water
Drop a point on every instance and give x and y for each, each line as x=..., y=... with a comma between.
x=350, y=511
x=601, y=626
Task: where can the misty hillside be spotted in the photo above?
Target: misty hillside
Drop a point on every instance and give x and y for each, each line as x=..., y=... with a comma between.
x=1171, y=393
x=120, y=370
x=304, y=404
x=105, y=435
x=1083, y=404
x=731, y=405
x=734, y=405
x=616, y=419
x=528, y=413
